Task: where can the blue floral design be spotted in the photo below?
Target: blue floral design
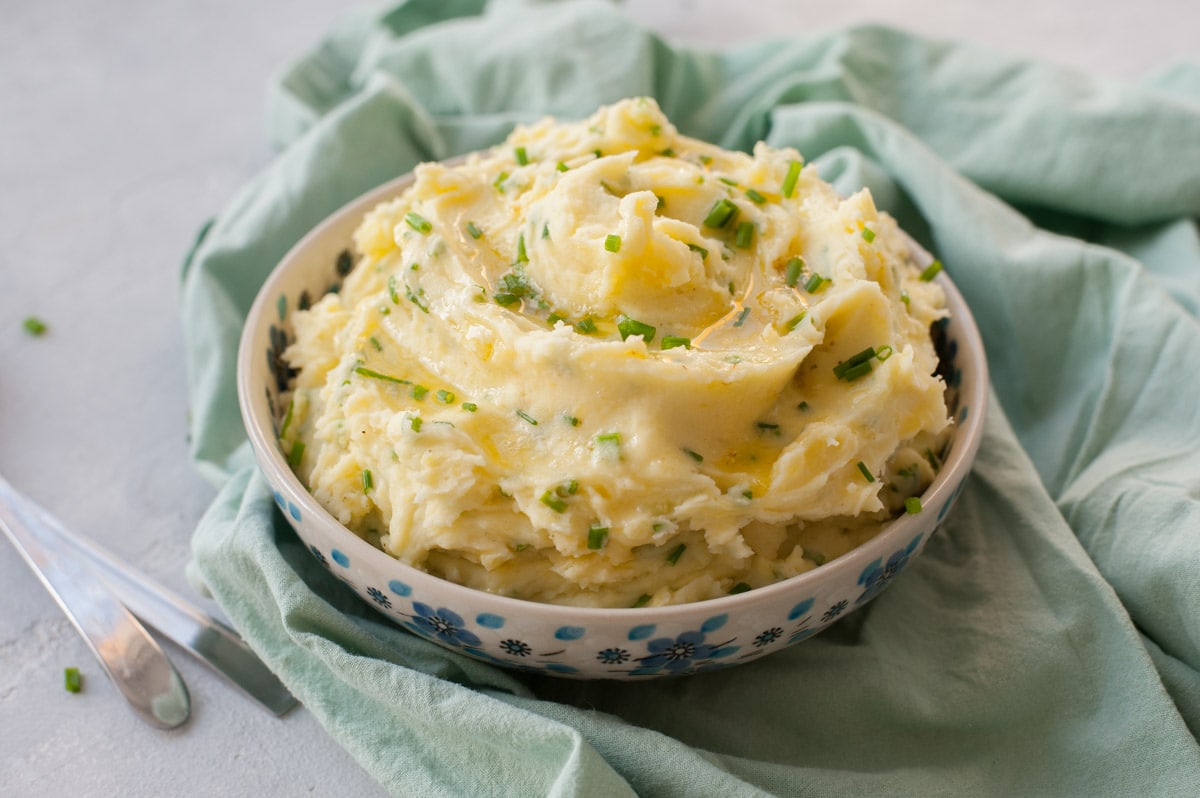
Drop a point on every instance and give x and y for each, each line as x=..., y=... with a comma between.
x=767, y=637
x=320, y=557
x=878, y=575
x=685, y=653
x=517, y=648
x=834, y=611
x=379, y=597
x=613, y=656
x=444, y=625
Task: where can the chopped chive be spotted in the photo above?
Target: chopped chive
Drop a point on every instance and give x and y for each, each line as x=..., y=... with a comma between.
x=883, y=353
x=571, y=420
x=744, y=236
x=656, y=130
x=296, y=454
x=721, y=214
x=506, y=299
x=520, y=547
x=287, y=419
x=419, y=392
x=72, y=680
x=855, y=366
x=706, y=159
x=608, y=445
x=794, y=321
x=562, y=167
x=554, y=318
x=727, y=181
x=699, y=458
x=904, y=297
x=816, y=556
x=415, y=422
x=912, y=505
x=767, y=426
x=445, y=397
x=741, y=319
x=470, y=407
x=375, y=375
x=612, y=243
x=597, y=537
x=393, y=289
x=526, y=417
x=546, y=230
x=641, y=601
x=672, y=341
x=418, y=222
x=866, y=472
x=375, y=343
x=676, y=552
x=522, y=257
x=473, y=230
x=35, y=326
x=552, y=500
x=788, y=188
x=586, y=326
x=697, y=248
x=609, y=437
x=931, y=271
x=667, y=153
x=868, y=234
x=755, y=197
x=499, y=182
x=791, y=274
x=802, y=406
x=598, y=153
x=568, y=488
x=740, y=587
x=662, y=202
x=368, y=481
x=522, y=157
x=416, y=298
x=814, y=283
x=627, y=327
x=345, y=262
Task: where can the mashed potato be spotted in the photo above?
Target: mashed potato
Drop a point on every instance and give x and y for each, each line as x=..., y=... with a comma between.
x=606, y=364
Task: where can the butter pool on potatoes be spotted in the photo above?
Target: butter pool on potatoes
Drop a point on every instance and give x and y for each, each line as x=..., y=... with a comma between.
x=599, y=365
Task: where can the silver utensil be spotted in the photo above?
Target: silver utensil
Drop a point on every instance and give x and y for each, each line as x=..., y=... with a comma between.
x=133, y=661
x=206, y=638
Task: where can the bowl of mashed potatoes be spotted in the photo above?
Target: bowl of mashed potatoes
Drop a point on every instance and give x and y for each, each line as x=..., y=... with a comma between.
x=607, y=401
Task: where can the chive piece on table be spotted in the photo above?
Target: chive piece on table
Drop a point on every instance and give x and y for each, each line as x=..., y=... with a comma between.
x=586, y=326
x=72, y=680
x=34, y=326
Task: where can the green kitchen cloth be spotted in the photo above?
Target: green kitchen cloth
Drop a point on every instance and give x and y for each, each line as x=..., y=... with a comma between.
x=1047, y=642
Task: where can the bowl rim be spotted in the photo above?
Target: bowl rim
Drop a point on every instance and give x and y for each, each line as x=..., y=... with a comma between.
x=269, y=458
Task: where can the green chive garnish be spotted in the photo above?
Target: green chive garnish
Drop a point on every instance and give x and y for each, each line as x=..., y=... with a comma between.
x=755, y=197
x=418, y=222
x=419, y=392
x=473, y=230
x=72, y=680
x=586, y=326
x=745, y=235
x=375, y=375
x=499, y=183
x=699, y=458
x=706, y=159
x=728, y=181
x=641, y=601
x=296, y=454
x=627, y=327
x=676, y=552
x=368, y=481
x=788, y=188
x=287, y=419
x=612, y=243
x=562, y=167
x=741, y=319
x=931, y=271
x=904, y=297
x=34, y=326
x=393, y=289
x=470, y=407
x=608, y=444
x=912, y=505
x=868, y=234
x=415, y=422
x=814, y=283
x=856, y=366
x=505, y=300
x=526, y=417
x=416, y=298
x=740, y=587
x=791, y=274
x=866, y=472
x=697, y=248
x=794, y=321
x=522, y=157
x=522, y=257
x=375, y=343
x=597, y=537
x=672, y=341
x=722, y=213
x=445, y=397
x=546, y=230
x=802, y=406
x=552, y=500
x=883, y=353
x=767, y=426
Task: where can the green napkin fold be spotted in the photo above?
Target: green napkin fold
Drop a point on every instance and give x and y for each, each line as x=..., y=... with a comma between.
x=1047, y=643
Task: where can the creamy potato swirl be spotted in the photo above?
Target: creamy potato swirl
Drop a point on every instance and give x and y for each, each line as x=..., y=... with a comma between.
x=607, y=364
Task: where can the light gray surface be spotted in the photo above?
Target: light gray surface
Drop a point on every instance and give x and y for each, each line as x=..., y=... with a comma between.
x=123, y=126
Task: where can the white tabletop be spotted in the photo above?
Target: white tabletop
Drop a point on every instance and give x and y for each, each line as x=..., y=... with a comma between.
x=123, y=126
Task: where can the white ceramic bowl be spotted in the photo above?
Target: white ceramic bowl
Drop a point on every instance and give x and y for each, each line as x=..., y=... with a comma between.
x=633, y=643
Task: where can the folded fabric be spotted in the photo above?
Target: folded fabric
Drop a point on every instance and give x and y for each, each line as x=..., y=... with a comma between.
x=1047, y=642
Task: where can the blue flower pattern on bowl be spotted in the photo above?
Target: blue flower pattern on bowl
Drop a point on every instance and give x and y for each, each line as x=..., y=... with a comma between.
x=878, y=575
